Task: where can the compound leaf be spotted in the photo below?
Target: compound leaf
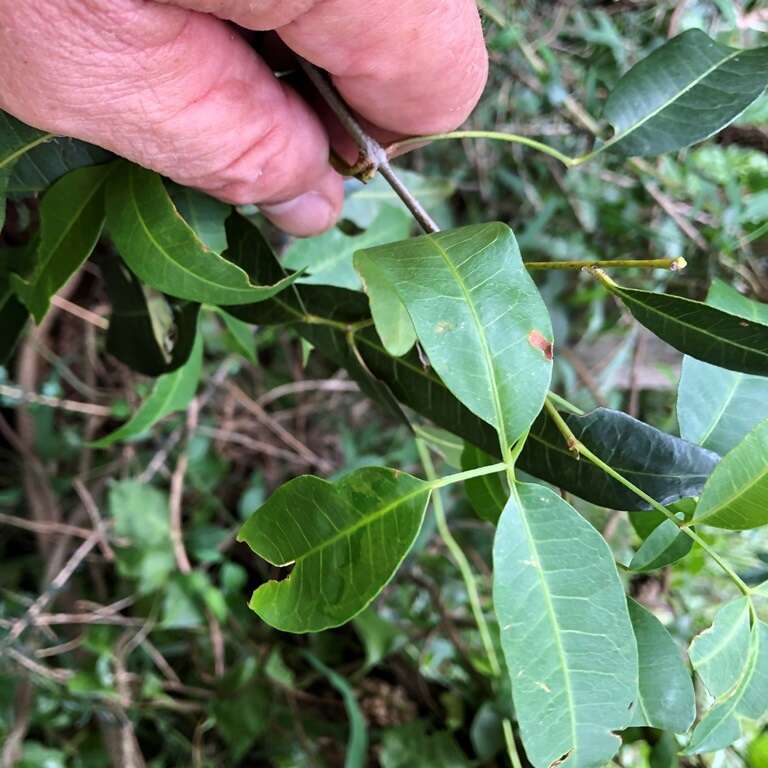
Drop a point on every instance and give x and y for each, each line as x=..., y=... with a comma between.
x=346, y=539
x=685, y=91
x=565, y=631
x=736, y=495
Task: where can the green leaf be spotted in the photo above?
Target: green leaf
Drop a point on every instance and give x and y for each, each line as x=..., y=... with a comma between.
x=16, y=139
x=565, y=630
x=487, y=494
x=165, y=252
x=696, y=329
x=327, y=259
x=378, y=636
x=718, y=653
x=71, y=220
x=148, y=332
x=684, y=92
x=721, y=725
x=347, y=540
x=410, y=745
x=665, y=545
x=716, y=408
x=664, y=466
x=443, y=442
x=665, y=698
x=171, y=393
x=204, y=214
x=736, y=495
x=357, y=744
x=393, y=323
x=43, y=165
x=140, y=513
x=241, y=335
x=479, y=316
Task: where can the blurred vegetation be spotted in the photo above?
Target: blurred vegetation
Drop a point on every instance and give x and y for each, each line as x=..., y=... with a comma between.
x=137, y=653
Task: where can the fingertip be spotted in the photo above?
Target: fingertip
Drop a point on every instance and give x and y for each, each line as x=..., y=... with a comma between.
x=312, y=212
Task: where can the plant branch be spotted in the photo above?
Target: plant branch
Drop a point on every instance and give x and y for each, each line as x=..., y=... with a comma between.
x=577, y=447
x=460, y=477
x=672, y=264
x=373, y=153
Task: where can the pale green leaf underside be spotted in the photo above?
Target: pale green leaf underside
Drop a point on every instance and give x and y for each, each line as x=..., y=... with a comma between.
x=718, y=653
x=666, y=544
x=565, y=630
x=170, y=393
x=666, y=698
x=475, y=310
x=164, y=251
x=685, y=91
x=716, y=408
x=721, y=725
x=736, y=494
x=347, y=539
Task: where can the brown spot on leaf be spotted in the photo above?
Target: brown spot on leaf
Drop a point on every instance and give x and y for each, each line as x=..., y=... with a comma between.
x=538, y=341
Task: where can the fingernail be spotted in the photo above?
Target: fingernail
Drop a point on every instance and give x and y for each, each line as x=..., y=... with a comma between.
x=304, y=216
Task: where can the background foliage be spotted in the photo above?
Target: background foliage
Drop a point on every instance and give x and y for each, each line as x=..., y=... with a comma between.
x=148, y=652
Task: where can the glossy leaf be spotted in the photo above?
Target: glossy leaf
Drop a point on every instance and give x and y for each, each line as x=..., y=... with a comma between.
x=45, y=164
x=327, y=259
x=699, y=330
x=716, y=408
x=565, y=631
x=148, y=332
x=347, y=540
x=488, y=494
x=164, y=251
x=357, y=743
x=479, y=317
x=664, y=546
x=685, y=91
x=721, y=725
x=71, y=220
x=171, y=393
x=16, y=139
x=736, y=495
x=665, y=698
x=718, y=653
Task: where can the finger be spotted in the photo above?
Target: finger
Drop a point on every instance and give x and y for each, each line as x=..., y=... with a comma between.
x=173, y=90
x=410, y=66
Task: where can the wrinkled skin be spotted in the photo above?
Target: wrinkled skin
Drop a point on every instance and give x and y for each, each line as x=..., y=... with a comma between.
x=173, y=86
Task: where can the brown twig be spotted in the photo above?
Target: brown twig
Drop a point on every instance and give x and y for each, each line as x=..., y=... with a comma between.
x=177, y=491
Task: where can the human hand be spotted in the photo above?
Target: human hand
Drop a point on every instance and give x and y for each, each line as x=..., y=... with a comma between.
x=172, y=86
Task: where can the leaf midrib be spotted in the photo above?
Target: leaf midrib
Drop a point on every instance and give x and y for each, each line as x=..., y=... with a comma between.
x=625, y=293
x=8, y=160
x=636, y=126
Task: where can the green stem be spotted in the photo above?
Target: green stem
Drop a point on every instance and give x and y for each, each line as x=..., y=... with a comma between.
x=460, y=477
x=495, y=135
x=673, y=264
x=578, y=447
x=467, y=576
x=459, y=557
x=566, y=405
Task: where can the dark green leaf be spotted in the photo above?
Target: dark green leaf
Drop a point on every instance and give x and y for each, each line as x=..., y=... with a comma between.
x=565, y=630
x=71, y=220
x=171, y=393
x=488, y=494
x=357, y=744
x=716, y=408
x=148, y=332
x=347, y=540
x=685, y=91
x=479, y=316
x=665, y=698
x=736, y=495
x=699, y=330
x=165, y=252
x=13, y=320
x=410, y=745
x=39, y=168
